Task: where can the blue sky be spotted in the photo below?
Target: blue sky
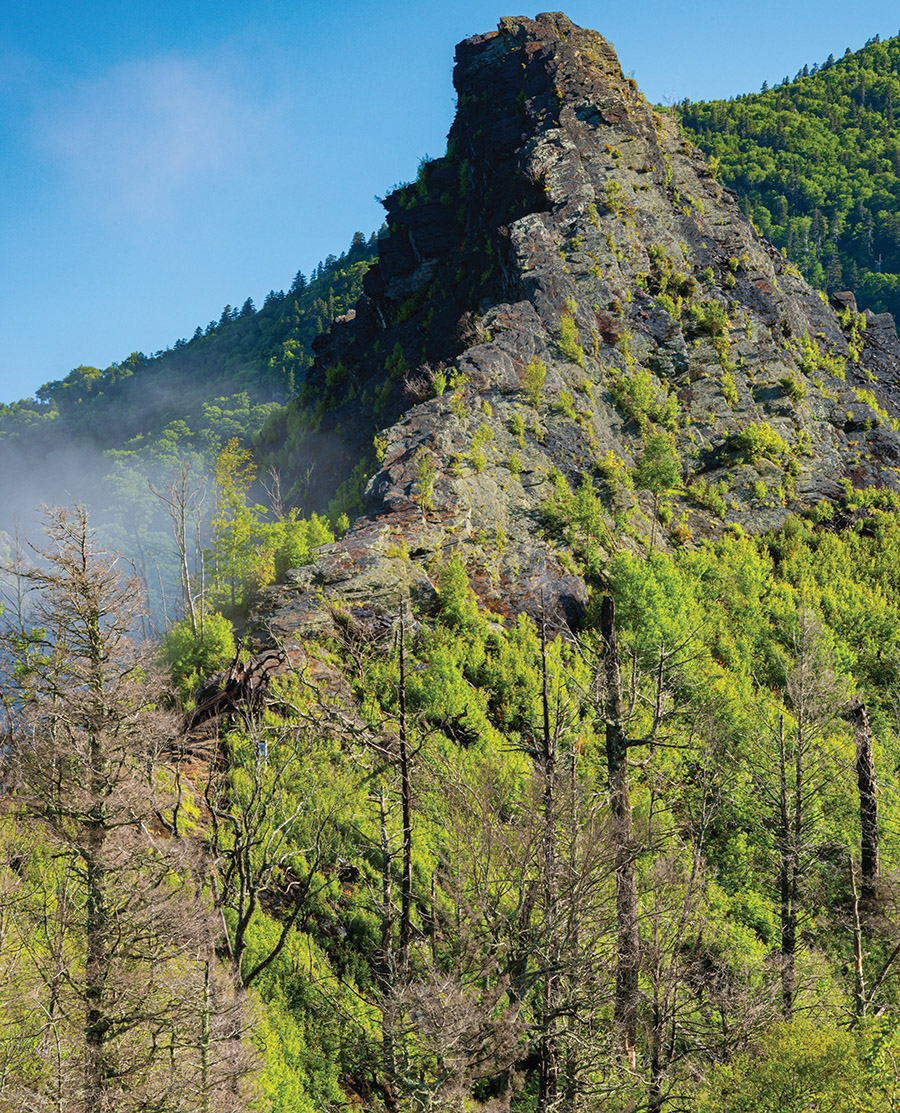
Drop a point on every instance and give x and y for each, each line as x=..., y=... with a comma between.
x=159, y=159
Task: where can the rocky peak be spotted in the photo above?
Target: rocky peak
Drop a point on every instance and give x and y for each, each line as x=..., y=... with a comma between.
x=566, y=292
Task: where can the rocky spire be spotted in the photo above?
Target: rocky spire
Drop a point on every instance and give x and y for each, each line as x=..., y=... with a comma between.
x=564, y=294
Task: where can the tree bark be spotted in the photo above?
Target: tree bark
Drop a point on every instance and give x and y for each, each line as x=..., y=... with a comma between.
x=860, y=984
x=548, y=1089
x=97, y=1067
x=385, y=974
x=406, y=807
x=868, y=806
x=786, y=881
x=628, y=939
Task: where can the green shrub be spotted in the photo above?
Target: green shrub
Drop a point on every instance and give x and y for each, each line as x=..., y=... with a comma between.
x=567, y=403
x=612, y=196
x=658, y=468
x=710, y=496
x=533, y=381
x=426, y=470
x=191, y=658
x=518, y=426
x=568, y=340
x=641, y=398
x=710, y=318
x=758, y=440
x=334, y=376
x=458, y=606
x=615, y=471
x=729, y=389
x=798, y=1067
x=792, y=388
x=476, y=455
x=296, y=539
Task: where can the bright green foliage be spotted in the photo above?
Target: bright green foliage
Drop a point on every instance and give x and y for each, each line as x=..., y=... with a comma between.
x=294, y=540
x=483, y=436
x=710, y=495
x=568, y=339
x=638, y=394
x=658, y=468
x=248, y=553
x=192, y=657
x=234, y=523
x=793, y=388
x=817, y=164
x=813, y=360
x=426, y=470
x=579, y=516
x=614, y=470
x=800, y=1067
x=458, y=605
x=710, y=318
x=567, y=403
x=703, y=808
x=759, y=439
x=533, y=381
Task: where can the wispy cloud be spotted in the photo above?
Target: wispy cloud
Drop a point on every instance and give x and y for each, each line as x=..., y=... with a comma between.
x=135, y=139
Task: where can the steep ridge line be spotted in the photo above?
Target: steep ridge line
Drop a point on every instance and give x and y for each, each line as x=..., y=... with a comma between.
x=566, y=292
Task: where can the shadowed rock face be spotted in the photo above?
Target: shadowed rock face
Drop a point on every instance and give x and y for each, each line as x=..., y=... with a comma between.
x=571, y=228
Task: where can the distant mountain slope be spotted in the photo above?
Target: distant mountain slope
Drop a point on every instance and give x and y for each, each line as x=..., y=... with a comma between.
x=103, y=437
x=816, y=163
x=262, y=354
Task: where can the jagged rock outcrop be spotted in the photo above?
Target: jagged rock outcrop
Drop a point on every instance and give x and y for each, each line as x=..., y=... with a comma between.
x=567, y=279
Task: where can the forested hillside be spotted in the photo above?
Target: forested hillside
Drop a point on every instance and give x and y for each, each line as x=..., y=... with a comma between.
x=115, y=439
x=554, y=765
x=263, y=354
x=816, y=162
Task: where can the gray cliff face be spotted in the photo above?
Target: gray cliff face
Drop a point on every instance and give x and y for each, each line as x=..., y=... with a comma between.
x=577, y=280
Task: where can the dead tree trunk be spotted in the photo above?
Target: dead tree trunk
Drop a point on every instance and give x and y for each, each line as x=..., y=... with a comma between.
x=789, y=830
x=624, y=857
x=548, y=1089
x=406, y=807
x=385, y=974
x=868, y=806
x=859, y=978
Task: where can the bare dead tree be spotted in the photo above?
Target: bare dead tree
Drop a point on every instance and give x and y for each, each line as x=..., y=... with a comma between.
x=267, y=844
x=617, y=716
x=182, y=497
x=548, y=1085
x=868, y=803
x=271, y=484
x=792, y=768
x=84, y=731
x=405, y=801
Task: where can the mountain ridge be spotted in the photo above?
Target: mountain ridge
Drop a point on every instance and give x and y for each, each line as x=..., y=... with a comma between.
x=572, y=235
x=816, y=161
